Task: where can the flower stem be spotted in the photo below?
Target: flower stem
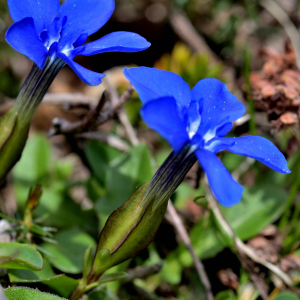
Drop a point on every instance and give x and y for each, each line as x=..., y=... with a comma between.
x=83, y=288
x=34, y=89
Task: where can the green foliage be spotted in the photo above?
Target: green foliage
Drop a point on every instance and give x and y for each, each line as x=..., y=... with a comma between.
x=116, y=176
x=191, y=67
x=28, y=294
x=19, y=256
x=102, y=294
x=67, y=254
x=56, y=208
x=259, y=207
x=34, y=165
x=120, y=175
x=62, y=284
x=226, y=295
x=286, y=296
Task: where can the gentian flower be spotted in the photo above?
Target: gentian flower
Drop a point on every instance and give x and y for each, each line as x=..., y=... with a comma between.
x=195, y=122
x=52, y=35
x=44, y=29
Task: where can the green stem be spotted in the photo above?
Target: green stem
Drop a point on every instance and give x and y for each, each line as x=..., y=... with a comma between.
x=83, y=288
x=290, y=201
x=35, y=88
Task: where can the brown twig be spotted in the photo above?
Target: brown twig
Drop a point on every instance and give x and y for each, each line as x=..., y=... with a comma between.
x=109, y=139
x=106, y=115
x=243, y=248
x=283, y=18
x=68, y=100
x=61, y=126
x=93, y=119
x=142, y=272
x=121, y=114
x=255, y=276
x=177, y=223
x=187, y=32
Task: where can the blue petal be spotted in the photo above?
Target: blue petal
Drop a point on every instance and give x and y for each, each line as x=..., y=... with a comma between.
x=81, y=40
x=162, y=115
x=259, y=148
x=224, y=129
x=194, y=118
x=120, y=41
x=218, y=105
x=226, y=190
x=43, y=12
x=86, y=16
x=152, y=84
x=22, y=37
x=87, y=76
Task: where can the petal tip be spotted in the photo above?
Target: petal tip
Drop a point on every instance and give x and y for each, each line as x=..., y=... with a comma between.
x=234, y=200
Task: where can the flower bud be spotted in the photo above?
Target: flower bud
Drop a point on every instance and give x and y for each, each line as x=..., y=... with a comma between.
x=12, y=141
x=14, y=126
x=132, y=227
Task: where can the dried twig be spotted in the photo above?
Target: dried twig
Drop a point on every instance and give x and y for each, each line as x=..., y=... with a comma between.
x=121, y=114
x=243, y=248
x=109, y=139
x=243, y=167
x=93, y=119
x=69, y=100
x=61, y=126
x=177, y=223
x=256, y=277
x=106, y=115
x=142, y=272
x=187, y=32
x=283, y=18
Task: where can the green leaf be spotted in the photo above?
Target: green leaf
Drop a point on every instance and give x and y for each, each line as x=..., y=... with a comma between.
x=226, y=295
x=126, y=174
x=102, y=294
x=100, y=156
x=286, y=296
x=20, y=256
x=61, y=210
x=32, y=276
x=69, y=251
x=35, y=160
x=28, y=294
x=62, y=284
x=259, y=207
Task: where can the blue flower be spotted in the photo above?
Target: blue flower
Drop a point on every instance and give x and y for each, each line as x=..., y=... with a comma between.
x=201, y=118
x=45, y=29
